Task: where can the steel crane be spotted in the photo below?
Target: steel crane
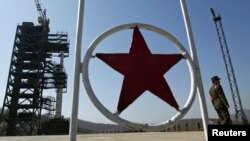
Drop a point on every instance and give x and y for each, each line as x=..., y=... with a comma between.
x=42, y=19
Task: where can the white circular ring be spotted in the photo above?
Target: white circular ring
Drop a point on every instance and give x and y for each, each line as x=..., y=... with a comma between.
x=115, y=117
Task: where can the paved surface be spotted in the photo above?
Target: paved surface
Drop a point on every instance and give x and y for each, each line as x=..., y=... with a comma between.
x=150, y=136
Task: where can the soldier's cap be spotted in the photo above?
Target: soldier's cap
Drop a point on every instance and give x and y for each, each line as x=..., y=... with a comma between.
x=215, y=78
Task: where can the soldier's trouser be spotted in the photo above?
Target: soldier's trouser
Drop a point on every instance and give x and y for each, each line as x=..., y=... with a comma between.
x=224, y=116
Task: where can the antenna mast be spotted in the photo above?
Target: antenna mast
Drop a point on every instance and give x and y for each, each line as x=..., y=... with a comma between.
x=240, y=117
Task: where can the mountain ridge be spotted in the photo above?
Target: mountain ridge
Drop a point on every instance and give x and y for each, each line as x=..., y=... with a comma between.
x=106, y=128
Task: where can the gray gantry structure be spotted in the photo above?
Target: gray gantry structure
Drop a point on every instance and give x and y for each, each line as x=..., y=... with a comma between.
x=32, y=70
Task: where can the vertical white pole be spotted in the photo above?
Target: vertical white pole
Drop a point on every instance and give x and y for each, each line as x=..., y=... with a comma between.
x=202, y=99
x=59, y=91
x=77, y=67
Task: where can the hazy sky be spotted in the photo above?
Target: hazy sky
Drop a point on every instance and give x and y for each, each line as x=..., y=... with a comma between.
x=101, y=15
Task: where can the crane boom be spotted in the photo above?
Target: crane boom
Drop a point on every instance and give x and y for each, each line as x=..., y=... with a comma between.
x=240, y=116
x=42, y=19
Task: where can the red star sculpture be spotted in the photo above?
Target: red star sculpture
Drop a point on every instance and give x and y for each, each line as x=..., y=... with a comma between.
x=142, y=71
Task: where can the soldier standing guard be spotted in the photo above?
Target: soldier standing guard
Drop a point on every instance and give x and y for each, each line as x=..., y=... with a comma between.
x=219, y=101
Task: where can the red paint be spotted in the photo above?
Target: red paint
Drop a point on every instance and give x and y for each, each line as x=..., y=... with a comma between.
x=142, y=71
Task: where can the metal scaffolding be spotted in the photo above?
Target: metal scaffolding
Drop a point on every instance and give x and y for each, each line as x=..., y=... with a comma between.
x=31, y=71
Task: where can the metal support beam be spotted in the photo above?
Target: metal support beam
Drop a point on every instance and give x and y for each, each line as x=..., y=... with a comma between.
x=77, y=67
x=202, y=99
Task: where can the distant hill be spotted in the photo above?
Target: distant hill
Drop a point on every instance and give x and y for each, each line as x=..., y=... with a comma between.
x=87, y=126
x=182, y=125
x=247, y=113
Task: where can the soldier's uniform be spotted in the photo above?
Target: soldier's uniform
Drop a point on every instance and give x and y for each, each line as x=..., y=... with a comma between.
x=220, y=102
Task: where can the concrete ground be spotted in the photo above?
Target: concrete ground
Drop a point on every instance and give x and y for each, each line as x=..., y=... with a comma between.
x=148, y=136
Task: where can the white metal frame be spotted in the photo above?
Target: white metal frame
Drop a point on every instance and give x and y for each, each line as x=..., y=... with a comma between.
x=77, y=67
x=115, y=117
x=202, y=100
